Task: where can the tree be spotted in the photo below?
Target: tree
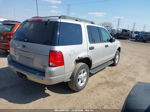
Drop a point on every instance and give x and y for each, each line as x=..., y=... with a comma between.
x=107, y=24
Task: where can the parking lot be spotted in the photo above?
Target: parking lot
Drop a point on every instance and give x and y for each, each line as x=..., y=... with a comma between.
x=107, y=89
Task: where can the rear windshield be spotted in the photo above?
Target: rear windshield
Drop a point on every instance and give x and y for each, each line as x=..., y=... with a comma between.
x=37, y=32
x=6, y=27
x=49, y=33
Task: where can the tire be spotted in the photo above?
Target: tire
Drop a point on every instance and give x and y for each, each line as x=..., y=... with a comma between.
x=77, y=84
x=116, y=58
x=144, y=41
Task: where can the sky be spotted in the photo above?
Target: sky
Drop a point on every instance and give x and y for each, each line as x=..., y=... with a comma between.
x=129, y=12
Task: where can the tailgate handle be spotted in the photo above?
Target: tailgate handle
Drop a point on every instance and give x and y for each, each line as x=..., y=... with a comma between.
x=91, y=48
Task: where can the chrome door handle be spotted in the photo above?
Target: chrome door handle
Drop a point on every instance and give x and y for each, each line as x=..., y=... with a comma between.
x=91, y=48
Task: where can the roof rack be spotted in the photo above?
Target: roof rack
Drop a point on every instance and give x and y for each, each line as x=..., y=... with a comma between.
x=67, y=17
x=76, y=19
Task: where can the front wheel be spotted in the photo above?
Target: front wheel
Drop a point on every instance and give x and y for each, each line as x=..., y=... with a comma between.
x=116, y=59
x=79, y=77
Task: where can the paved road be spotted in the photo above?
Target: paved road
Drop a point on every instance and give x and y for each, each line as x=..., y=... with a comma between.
x=105, y=90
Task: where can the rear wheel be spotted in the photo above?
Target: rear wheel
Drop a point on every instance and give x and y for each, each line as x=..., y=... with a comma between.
x=79, y=77
x=144, y=40
x=116, y=59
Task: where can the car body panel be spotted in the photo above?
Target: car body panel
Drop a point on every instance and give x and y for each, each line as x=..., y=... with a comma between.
x=36, y=56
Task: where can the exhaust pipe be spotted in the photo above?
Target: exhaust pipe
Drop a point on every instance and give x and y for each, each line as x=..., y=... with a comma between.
x=21, y=75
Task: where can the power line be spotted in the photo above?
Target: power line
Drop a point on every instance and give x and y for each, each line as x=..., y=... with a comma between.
x=88, y=2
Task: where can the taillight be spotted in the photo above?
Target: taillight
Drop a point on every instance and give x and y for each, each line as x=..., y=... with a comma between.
x=10, y=35
x=56, y=59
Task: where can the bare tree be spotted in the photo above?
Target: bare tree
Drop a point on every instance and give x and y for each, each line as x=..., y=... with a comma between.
x=107, y=24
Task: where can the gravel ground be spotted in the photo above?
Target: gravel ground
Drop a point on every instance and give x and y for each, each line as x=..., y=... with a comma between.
x=107, y=89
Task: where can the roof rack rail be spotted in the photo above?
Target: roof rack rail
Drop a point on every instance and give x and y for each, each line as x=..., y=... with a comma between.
x=67, y=17
x=76, y=19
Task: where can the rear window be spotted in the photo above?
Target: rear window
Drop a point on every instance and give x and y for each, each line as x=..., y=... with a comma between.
x=37, y=32
x=6, y=27
x=69, y=34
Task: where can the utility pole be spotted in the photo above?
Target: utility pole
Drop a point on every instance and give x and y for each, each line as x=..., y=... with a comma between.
x=68, y=9
x=128, y=27
x=144, y=28
x=14, y=14
x=37, y=10
x=118, y=24
x=133, y=27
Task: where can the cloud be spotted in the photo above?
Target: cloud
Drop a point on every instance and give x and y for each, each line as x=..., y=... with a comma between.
x=119, y=17
x=97, y=13
x=53, y=1
x=55, y=11
x=54, y=7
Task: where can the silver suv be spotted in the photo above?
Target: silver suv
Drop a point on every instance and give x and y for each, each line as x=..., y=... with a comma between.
x=51, y=50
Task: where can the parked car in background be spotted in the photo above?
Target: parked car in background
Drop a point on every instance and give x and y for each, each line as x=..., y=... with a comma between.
x=124, y=34
x=51, y=50
x=113, y=32
x=7, y=30
x=1, y=20
x=143, y=36
x=134, y=34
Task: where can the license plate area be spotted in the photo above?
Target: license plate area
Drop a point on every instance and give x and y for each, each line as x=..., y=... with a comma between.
x=24, y=60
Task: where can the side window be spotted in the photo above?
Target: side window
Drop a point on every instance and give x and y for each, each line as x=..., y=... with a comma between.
x=105, y=35
x=70, y=34
x=93, y=34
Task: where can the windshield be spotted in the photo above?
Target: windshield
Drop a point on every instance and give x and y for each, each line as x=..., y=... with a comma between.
x=6, y=27
x=37, y=32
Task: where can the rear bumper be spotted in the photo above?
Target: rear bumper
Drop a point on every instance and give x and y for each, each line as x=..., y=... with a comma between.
x=34, y=75
x=4, y=46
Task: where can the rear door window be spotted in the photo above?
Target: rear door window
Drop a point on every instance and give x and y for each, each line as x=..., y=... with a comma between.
x=44, y=32
x=69, y=34
x=93, y=34
x=105, y=35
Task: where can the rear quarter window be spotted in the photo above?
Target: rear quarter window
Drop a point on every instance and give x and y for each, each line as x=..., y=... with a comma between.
x=69, y=34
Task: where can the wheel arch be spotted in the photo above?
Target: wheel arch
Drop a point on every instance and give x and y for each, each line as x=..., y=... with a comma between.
x=85, y=60
x=119, y=49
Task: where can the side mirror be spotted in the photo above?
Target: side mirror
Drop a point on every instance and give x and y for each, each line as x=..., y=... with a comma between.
x=112, y=39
